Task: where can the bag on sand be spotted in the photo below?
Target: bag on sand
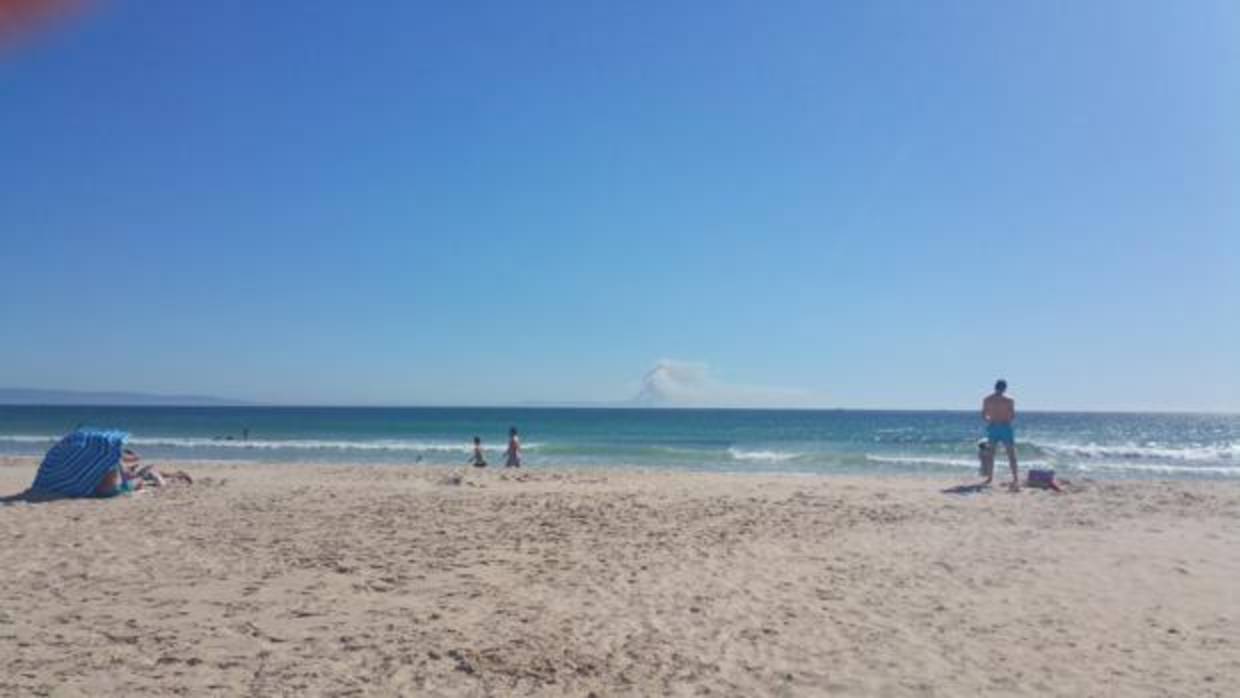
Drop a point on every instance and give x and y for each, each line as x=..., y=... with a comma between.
x=1039, y=477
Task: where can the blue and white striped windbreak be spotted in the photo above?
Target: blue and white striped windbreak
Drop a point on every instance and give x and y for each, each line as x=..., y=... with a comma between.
x=77, y=463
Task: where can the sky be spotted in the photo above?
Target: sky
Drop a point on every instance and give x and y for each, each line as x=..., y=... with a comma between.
x=879, y=204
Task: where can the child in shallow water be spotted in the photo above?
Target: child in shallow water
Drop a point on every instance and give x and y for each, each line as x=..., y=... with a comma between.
x=513, y=455
x=986, y=460
x=478, y=460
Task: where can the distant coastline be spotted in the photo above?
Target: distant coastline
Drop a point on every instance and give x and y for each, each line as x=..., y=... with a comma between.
x=39, y=397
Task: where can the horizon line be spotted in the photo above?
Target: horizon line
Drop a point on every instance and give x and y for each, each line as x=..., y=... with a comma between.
x=239, y=404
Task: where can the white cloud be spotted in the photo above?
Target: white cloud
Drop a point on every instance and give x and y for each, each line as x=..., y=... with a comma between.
x=674, y=383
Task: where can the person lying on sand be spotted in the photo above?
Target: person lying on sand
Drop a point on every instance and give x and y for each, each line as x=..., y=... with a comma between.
x=130, y=476
x=148, y=473
x=133, y=470
x=114, y=483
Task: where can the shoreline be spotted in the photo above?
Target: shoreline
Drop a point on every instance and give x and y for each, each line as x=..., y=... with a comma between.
x=881, y=469
x=355, y=579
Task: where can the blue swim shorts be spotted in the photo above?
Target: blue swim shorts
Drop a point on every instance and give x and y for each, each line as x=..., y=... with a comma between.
x=1000, y=433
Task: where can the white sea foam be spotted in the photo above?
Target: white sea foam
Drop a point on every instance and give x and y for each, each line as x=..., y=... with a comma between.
x=1170, y=470
x=763, y=455
x=943, y=461
x=303, y=444
x=921, y=460
x=1195, y=453
x=28, y=439
x=400, y=445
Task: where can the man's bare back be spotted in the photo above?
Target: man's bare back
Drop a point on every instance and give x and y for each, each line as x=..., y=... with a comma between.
x=998, y=408
x=999, y=411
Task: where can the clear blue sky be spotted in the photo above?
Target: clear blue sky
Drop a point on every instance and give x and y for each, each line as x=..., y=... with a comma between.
x=876, y=204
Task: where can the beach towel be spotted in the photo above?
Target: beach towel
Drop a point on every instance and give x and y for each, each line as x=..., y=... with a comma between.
x=77, y=463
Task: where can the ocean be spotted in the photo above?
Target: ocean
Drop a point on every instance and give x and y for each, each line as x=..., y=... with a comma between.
x=754, y=441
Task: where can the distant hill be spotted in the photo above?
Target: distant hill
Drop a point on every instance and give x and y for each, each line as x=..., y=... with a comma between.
x=30, y=396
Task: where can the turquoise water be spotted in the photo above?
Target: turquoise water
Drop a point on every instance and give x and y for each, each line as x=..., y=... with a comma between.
x=793, y=441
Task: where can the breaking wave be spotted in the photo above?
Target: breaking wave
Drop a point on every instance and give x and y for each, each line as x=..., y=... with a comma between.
x=392, y=445
x=1139, y=452
x=763, y=455
x=917, y=461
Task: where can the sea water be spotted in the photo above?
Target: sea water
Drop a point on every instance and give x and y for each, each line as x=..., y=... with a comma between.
x=789, y=441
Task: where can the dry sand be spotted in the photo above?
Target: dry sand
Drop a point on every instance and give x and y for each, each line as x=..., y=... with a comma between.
x=374, y=581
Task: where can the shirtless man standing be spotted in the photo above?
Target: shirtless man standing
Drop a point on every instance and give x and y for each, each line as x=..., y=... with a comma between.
x=999, y=411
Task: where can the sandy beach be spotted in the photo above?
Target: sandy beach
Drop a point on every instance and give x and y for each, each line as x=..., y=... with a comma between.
x=375, y=581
